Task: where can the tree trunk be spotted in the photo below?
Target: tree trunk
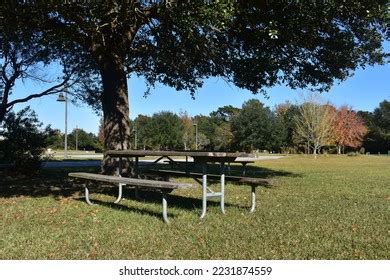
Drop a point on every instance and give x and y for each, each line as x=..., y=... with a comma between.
x=115, y=103
x=2, y=113
x=315, y=152
x=339, y=149
x=3, y=104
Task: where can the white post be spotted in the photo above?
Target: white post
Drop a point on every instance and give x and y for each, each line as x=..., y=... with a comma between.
x=77, y=140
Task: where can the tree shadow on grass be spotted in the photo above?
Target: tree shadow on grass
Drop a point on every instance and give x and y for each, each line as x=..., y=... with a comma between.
x=57, y=184
x=48, y=182
x=233, y=169
x=151, y=197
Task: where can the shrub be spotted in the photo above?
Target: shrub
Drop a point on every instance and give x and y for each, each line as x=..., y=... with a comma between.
x=23, y=143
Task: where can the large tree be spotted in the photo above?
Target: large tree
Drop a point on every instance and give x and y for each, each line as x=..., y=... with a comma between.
x=253, y=44
x=142, y=132
x=377, y=140
x=188, y=131
x=286, y=114
x=313, y=124
x=348, y=129
x=254, y=127
x=166, y=131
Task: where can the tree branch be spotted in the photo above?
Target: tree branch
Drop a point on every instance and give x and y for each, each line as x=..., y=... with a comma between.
x=52, y=90
x=80, y=37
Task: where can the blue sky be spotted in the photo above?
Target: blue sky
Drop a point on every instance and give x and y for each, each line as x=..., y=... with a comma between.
x=363, y=91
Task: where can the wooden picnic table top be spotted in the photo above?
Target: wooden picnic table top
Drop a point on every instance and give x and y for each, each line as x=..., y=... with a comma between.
x=194, y=154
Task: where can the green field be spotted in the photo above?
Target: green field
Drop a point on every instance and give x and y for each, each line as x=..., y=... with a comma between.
x=335, y=207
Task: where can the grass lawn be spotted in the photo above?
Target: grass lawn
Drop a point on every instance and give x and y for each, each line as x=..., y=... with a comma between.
x=335, y=207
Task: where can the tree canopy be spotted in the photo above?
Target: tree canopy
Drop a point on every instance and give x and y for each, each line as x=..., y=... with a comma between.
x=377, y=139
x=348, y=129
x=254, y=44
x=253, y=127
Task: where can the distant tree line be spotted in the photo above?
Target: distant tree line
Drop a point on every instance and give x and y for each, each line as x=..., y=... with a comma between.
x=309, y=127
x=78, y=139
x=377, y=140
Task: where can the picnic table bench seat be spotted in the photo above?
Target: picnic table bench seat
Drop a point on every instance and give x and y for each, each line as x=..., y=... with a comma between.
x=162, y=186
x=240, y=180
x=243, y=161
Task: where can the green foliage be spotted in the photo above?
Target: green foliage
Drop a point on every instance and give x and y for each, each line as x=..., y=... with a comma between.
x=254, y=127
x=382, y=117
x=223, y=137
x=287, y=114
x=166, y=131
x=189, y=129
x=141, y=130
x=54, y=138
x=224, y=114
x=23, y=143
x=253, y=44
x=206, y=131
x=377, y=140
x=85, y=141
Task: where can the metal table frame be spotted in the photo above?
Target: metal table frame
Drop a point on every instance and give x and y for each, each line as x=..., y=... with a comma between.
x=199, y=156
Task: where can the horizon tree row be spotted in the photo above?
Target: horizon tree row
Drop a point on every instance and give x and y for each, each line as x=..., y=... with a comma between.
x=308, y=127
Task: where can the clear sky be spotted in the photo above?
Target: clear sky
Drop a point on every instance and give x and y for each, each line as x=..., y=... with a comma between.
x=363, y=91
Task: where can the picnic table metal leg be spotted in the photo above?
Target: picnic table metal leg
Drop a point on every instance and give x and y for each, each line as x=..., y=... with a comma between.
x=204, y=190
x=253, y=199
x=87, y=194
x=165, y=207
x=244, y=168
x=136, y=192
x=223, y=187
x=120, y=188
x=119, y=170
x=136, y=169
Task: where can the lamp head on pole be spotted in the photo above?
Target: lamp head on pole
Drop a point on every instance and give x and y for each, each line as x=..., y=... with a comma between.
x=61, y=97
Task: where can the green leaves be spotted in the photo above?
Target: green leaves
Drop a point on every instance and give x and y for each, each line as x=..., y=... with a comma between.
x=253, y=44
x=256, y=127
x=23, y=143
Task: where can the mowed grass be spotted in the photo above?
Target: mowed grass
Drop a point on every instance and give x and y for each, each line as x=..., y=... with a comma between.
x=335, y=207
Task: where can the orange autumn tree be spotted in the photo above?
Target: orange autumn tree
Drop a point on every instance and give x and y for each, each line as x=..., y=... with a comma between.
x=348, y=129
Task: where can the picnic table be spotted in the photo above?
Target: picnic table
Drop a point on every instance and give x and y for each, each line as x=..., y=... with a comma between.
x=201, y=157
x=166, y=186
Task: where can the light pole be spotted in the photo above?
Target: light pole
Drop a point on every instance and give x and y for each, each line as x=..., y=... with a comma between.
x=64, y=98
x=135, y=137
x=196, y=135
x=77, y=138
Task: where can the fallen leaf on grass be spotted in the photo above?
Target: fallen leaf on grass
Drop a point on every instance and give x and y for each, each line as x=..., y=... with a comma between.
x=53, y=210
